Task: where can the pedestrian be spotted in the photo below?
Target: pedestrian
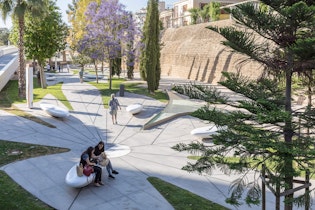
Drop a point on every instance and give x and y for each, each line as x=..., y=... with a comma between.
x=81, y=75
x=38, y=78
x=86, y=157
x=113, y=108
x=48, y=67
x=99, y=152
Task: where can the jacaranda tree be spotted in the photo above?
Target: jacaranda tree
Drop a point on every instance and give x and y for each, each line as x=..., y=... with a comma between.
x=106, y=32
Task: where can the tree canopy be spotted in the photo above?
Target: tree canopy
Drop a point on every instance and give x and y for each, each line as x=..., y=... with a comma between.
x=18, y=9
x=107, y=30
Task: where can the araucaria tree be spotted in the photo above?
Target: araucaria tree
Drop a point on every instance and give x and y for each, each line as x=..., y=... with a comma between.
x=264, y=128
x=106, y=32
x=150, y=69
x=18, y=8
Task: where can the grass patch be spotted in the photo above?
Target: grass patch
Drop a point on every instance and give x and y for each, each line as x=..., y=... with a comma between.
x=9, y=94
x=104, y=89
x=8, y=151
x=14, y=196
x=182, y=199
x=14, y=110
x=55, y=90
x=134, y=88
x=129, y=87
x=9, y=97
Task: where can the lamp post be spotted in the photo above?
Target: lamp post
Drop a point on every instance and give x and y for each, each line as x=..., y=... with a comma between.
x=56, y=56
x=29, y=86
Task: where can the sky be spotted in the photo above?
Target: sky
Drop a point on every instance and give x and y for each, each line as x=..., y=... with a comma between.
x=131, y=5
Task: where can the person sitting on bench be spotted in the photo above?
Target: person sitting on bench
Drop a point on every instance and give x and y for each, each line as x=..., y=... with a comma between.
x=100, y=154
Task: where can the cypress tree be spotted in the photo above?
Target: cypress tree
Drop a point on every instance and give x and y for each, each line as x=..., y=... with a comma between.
x=150, y=57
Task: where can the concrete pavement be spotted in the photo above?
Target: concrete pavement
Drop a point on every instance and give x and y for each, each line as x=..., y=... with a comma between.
x=137, y=154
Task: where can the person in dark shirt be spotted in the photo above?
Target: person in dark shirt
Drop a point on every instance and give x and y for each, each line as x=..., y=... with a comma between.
x=99, y=152
x=86, y=156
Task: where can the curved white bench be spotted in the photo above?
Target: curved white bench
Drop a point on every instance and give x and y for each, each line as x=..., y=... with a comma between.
x=73, y=180
x=205, y=132
x=93, y=76
x=134, y=108
x=50, y=78
x=54, y=110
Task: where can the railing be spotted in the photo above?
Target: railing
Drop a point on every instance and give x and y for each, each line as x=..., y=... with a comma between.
x=7, y=50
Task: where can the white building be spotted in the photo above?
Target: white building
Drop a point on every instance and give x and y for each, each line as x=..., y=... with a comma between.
x=180, y=15
x=139, y=16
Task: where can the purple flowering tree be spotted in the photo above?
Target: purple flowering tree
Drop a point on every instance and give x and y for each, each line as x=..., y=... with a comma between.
x=108, y=29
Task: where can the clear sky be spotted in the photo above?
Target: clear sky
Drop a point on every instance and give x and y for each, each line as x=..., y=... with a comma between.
x=131, y=5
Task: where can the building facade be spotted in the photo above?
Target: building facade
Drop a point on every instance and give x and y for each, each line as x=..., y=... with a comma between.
x=179, y=15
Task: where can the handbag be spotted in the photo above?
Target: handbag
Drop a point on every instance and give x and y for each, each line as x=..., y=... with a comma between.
x=80, y=170
x=87, y=170
x=103, y=160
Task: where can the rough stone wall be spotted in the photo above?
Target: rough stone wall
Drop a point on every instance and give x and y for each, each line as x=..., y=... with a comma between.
x=196, y=53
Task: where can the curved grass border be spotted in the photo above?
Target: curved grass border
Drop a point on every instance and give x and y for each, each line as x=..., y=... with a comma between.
x=182, y=199
x=13, y=196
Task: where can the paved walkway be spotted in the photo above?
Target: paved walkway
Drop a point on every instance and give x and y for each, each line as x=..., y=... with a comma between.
x=137, y=154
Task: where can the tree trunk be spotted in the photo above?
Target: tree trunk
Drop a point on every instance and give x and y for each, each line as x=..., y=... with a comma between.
x=288, y=134
x=309, y=92
x=42, y=78
x=21, y=70
x=110, y=73
x=96, y=73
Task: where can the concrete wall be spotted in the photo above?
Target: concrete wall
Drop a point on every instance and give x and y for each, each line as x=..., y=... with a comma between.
x=196, y=53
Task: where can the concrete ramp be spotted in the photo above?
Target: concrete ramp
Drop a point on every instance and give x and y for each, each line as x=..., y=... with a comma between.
x=8, y=64
x=179, y=105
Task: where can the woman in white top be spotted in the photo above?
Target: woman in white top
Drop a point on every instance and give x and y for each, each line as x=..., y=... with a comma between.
x=113, y=107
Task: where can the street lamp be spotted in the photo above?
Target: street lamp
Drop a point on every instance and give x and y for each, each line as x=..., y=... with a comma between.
x=57, y=55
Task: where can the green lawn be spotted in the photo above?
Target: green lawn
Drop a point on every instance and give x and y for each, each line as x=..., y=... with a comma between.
x=182, y=199
x=14, y=196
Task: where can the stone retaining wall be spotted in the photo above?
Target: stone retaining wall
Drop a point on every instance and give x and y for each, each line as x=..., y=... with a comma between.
x=196, y=53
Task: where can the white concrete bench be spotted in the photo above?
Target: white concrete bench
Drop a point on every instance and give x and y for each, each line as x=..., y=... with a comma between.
x=54, y=110
x=205, y=132
x=73, y=180
x=134, y=108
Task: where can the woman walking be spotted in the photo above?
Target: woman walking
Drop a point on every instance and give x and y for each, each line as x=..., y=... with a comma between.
x=113, y=107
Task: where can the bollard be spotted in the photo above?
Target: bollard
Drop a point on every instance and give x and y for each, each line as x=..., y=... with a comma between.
x=121, y=90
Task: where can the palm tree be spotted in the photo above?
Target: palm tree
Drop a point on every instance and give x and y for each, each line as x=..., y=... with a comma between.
x=18, y=9
x=194, y=14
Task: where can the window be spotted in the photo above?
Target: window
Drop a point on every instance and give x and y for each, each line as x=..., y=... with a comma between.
x=185, y=8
